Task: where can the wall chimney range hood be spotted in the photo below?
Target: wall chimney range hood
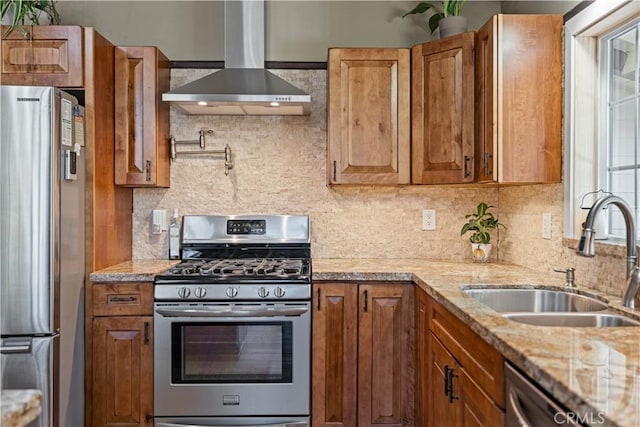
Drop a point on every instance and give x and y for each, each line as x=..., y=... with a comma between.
x=243, y=87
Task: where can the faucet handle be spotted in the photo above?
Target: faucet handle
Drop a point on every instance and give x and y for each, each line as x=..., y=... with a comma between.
x=570, y=275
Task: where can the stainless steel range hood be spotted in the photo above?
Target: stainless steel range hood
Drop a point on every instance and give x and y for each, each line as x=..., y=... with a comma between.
x=243, y=87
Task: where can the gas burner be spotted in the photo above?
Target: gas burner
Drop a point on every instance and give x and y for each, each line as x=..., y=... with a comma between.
x=243, y=268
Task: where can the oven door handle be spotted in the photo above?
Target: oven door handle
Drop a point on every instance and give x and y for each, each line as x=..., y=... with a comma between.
x=252, y=312
x=291, y=424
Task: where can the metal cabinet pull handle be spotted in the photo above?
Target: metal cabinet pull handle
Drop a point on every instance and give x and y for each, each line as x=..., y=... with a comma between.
x=318, y=291
x=121, y=299
x=446, y=380
x=148, y=170
x=466, y=166
x=452, y=375
x=334, y=170
x=366, y=298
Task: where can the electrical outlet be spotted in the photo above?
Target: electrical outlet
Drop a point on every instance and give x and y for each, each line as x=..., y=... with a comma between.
x=428, y=219
x=546, y=225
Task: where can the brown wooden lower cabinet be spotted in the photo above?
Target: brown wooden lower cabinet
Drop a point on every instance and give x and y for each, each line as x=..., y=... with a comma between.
x=363, y=358
x=460, y=376
x=122, y=356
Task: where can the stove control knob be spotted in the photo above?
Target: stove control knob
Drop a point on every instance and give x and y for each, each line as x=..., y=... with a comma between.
x=263, y=292
x=200, y=292
x=184, y=292
x=279, y=292
x=232, y=292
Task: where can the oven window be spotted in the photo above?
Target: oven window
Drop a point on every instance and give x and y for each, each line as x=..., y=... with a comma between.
x=235, y=352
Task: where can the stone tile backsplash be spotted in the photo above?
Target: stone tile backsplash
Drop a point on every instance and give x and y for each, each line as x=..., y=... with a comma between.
x=280, y=166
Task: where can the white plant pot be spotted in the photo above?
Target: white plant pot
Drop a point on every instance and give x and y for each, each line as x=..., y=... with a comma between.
x=452, y=25
x=480, y=252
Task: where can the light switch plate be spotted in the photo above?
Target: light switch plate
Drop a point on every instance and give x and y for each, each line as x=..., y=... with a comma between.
x=159, y=223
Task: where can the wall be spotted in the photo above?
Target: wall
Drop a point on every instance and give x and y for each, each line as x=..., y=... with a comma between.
x=296, y=30
x=280, y=161
x=280, y=168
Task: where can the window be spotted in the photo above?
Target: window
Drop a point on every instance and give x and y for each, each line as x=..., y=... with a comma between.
x=602, y=114
x=618, y=169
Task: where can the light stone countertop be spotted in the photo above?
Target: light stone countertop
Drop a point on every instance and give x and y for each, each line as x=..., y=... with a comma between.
x=143, y=270
x=592, y=371
x=20, y=407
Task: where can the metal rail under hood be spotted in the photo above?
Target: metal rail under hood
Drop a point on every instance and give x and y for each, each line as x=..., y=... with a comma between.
x=243, y=87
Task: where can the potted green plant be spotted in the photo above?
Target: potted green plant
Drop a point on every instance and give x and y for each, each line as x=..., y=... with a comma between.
x=448, y=20
x=481, y=223
x=17, y=13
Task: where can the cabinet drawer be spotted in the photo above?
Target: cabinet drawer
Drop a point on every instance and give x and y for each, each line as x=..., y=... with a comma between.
x=481, y=361
x=122, y=299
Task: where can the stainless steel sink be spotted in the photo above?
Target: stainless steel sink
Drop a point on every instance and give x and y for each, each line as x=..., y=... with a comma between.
x=526, y=300
x=597, y=320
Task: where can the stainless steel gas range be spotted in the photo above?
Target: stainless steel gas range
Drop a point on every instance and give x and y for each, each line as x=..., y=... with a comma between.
x=232, y=324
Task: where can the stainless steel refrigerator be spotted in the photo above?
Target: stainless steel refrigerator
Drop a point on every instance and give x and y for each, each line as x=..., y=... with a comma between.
x=42, y=241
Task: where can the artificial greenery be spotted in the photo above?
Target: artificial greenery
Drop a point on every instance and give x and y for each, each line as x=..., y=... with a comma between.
x=481, y=223
x=449, y=8
x=25, y=11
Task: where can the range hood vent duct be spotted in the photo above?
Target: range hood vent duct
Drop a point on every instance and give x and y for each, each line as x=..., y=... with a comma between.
x=243, y=87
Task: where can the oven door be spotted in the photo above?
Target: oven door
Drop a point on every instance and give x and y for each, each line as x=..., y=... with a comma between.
x=238, y=359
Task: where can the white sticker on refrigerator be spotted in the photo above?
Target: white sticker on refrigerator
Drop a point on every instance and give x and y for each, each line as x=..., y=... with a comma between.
x=66, y=125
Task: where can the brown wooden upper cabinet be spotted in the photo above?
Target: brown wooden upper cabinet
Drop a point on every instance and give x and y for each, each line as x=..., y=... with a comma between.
x=48, y=55
x=519, y=99
x=142, y=119
x=442, y=91
x=368, y=116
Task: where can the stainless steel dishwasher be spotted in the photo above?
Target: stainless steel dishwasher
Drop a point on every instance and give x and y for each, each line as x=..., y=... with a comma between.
x=529, y=406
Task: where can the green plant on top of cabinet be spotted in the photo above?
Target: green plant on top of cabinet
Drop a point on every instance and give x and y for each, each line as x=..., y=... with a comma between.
x=142, y=119
x=519, y=99
x=368, y=116
x=442, y=115
x=363, y=355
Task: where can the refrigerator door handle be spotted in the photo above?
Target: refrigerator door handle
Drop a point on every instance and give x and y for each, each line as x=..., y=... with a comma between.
x=22, y=346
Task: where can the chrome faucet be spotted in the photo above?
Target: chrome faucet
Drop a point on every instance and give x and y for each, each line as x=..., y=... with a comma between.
x=587, y=248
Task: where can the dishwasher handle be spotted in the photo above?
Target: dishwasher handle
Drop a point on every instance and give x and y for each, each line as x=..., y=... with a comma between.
x=514, y=404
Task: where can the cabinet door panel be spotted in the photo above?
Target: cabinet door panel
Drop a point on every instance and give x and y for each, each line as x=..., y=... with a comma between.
x=478, y=409
x=368, y=116
x=122, y=371
x=441, y=411
x=141, y=137
x=442, y=110
x=422, y=359
x=385, y=393
x=50, y=56
x=479, y=359
x=334, y=339
x=519, y=99
x=486, y=106
x=530, y=108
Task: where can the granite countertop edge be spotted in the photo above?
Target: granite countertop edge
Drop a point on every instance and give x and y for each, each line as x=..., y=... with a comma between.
x=553, y=366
